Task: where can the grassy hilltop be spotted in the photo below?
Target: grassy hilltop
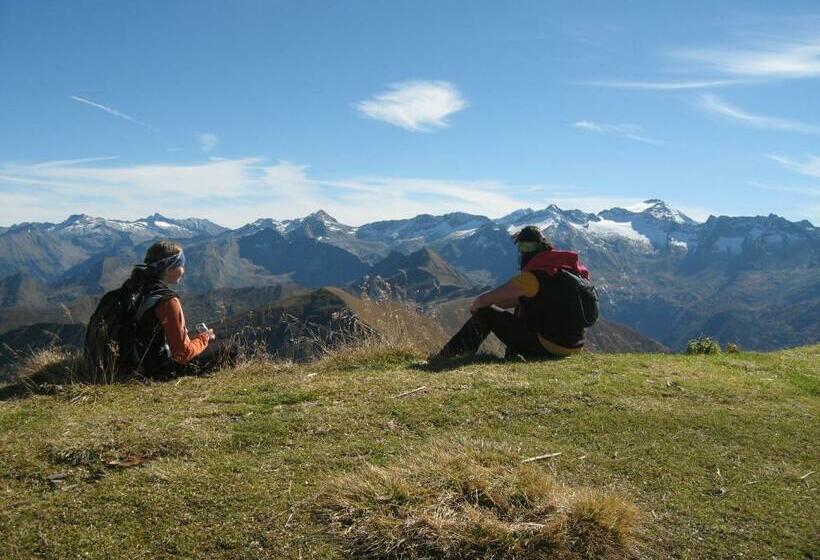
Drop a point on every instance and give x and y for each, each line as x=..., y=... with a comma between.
x=657, y=456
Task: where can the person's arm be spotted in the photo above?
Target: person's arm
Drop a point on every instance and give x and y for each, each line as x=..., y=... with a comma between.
x=504, y=296
x=183, y=348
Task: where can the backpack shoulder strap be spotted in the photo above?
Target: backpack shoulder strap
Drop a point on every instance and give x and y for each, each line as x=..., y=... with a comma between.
x=151, y=296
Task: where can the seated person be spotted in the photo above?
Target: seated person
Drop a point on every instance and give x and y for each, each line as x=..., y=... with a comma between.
x=164, y=347
x=545, y=321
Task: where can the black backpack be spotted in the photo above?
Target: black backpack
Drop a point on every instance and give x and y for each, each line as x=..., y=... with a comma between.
x=567, y=303
x=581, y=298
x=112, y=345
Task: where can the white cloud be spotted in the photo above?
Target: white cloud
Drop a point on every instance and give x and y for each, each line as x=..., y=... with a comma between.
x=766, y=57
x=108, y=110
x=233, y=192
x=810, y=167
x=415, y=105
x=717, y=106
x=626, y=130
x=208, y=141
x=661, y=85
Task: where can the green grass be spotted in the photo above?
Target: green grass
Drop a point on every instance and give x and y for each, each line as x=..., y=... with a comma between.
x=711, y=450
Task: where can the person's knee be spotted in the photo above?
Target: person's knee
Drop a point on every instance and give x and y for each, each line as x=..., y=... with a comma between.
x=485, y=314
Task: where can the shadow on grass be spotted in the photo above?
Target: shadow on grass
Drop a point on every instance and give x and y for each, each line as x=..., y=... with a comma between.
x=437, y=364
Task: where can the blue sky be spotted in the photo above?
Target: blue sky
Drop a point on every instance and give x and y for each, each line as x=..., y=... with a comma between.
x=372, y=110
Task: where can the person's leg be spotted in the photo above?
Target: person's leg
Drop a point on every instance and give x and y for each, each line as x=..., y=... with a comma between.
x=468, y=339
x=513, y=332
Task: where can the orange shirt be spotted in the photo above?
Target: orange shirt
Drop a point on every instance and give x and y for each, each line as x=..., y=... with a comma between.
x=183, y=348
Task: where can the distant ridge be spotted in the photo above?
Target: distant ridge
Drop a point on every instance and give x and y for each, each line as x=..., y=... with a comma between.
x=658, y=271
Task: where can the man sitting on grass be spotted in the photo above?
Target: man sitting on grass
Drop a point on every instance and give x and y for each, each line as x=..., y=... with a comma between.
x=553, y=303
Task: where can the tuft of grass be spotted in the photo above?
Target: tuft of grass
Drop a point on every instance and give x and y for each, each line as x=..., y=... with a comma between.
x=385, y=334
x=474, y=500
x=48, y=366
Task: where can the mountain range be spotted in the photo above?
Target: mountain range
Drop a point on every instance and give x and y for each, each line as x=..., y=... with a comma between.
x=750, y=280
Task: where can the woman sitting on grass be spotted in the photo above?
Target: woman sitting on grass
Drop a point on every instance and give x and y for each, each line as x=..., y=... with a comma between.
x=164, y=347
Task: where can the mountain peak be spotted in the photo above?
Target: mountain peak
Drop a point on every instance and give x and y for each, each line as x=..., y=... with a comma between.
x=323, y=216
x=78, y=218
x=156, y=217
x=654, y=208
x=661, y=211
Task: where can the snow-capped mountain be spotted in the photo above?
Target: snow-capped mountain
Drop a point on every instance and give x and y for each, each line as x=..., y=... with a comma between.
x=649, y=226
x=102, y=234
x=749, y=279
x=726, y=235
x=260, y=225
x=550, y=217
x=424, y=229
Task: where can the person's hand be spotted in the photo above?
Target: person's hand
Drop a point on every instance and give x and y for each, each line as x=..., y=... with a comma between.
x=475, y=306
x=211, y=334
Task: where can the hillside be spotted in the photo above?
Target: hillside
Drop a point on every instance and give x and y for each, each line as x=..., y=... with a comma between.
x=237, y=464
x=421, y=276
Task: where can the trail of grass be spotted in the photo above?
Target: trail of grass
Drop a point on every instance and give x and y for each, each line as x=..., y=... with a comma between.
x=712, y=450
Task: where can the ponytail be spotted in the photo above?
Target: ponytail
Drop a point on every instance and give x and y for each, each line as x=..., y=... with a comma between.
x=140, y=275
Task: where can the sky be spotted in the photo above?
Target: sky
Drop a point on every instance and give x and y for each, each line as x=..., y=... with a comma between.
x=243, y=109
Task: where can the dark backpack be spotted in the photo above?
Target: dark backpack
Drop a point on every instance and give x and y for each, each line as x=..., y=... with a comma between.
x=112, y=345
x=581, y=298
x=566, y=303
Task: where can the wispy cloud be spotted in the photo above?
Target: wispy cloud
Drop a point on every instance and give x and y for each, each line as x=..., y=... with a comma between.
x=781, y=50
x=661, y=85
x=208, y=141
x=813, y=191
x=717, y=106
x=415, y=105
x=108, y=110
x=625, y=130
x=810, y=166
x=242, y=190
x=61, y=162
x=766, y=57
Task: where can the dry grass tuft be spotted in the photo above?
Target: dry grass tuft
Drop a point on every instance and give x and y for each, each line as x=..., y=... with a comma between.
x=56, y=366
x=384, y=334
x=474, y=501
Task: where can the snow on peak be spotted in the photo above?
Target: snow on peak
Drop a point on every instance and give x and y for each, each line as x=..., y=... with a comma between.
x=657, y=209
x=609, y=228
